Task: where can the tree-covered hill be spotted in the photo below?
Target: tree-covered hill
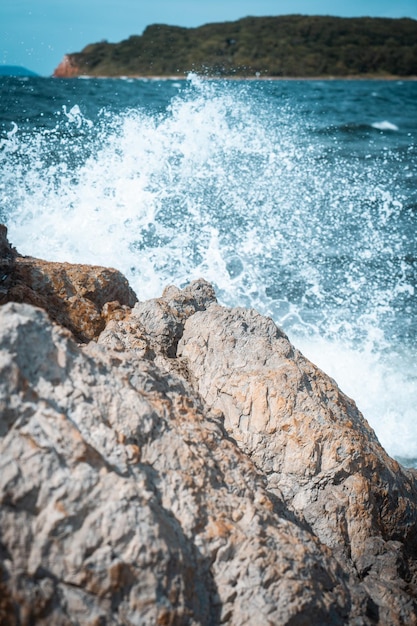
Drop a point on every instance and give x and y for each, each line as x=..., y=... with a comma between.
x=290, y=45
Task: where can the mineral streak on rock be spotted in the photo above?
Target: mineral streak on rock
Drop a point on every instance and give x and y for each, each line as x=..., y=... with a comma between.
x=184, y=465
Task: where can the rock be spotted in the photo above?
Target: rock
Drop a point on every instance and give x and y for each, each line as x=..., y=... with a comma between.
x=122, y=501
x=188, y=466
x=305, y=436
x=7, y=263
x=164, y=317
x=80, y=297
x=313, y=446
x=67, y=68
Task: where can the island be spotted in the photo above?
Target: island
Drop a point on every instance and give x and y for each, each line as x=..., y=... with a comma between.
x=277, y=47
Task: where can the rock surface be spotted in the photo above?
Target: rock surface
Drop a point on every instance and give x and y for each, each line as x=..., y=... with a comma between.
x=313, y=446
x=187, y=465
x=67, y=68
x=80, y=297
x=7, y=263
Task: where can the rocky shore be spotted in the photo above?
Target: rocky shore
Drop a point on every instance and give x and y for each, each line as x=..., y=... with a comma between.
x=177, y=462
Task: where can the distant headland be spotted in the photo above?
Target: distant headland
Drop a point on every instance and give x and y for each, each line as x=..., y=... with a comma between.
x=276, y=47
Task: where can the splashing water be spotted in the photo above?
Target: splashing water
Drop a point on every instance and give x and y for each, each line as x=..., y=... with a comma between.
x=265, y=192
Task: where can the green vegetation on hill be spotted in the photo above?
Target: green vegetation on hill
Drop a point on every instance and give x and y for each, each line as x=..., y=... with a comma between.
x=290, y=45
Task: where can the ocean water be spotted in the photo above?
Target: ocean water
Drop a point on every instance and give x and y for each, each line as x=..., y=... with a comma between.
x=297, y=198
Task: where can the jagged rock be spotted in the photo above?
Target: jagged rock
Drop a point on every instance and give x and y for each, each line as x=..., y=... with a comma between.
x=305, y=436
x=80, y=297
x=7, y=263
x=164, y=317
x=314, y=447
x=189, y=467
x=122, y=501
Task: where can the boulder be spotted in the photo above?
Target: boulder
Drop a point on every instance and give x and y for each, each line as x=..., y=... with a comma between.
x=80, y=297
x=308, y=439
x=124, y=501
x=313, y=446
x=185, y=465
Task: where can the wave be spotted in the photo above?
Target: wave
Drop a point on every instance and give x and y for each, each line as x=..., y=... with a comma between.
x=230, y=182
x=385, y=125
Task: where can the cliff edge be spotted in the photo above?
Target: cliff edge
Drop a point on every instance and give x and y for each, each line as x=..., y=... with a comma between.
x=175, y=461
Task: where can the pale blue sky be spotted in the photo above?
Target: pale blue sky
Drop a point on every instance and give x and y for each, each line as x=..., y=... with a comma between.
x=37, y=33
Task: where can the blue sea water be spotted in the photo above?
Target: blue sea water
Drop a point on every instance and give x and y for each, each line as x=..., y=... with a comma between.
x=297, y=198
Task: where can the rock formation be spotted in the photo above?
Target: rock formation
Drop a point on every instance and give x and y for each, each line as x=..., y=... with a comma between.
x=82, y=298
x=67, y=68
x=178, y=462
x=7, y=263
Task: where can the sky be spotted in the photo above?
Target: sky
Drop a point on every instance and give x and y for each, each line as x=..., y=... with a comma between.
x=36, y=34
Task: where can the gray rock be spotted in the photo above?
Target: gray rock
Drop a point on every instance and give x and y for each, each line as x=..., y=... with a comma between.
x=315, y=449
x=122, y=502
x=188, y=466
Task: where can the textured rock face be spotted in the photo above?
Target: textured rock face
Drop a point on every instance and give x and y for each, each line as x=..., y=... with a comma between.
x=121, y=500
x=312, y=444
x=80, y=297
x=189, y=466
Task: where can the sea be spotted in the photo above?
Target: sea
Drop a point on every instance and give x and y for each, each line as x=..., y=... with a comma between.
x=295, y=197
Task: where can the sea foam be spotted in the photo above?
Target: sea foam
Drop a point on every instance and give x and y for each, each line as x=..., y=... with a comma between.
x=385, y=125
x=229, y=184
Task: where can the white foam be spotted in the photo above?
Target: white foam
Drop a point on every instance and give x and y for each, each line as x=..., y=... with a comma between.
x=220, y=187
x=384, y=391
x=385, y=125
